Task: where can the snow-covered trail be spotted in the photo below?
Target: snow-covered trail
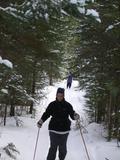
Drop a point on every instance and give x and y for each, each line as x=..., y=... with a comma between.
x=24, y=137
x=76, y=149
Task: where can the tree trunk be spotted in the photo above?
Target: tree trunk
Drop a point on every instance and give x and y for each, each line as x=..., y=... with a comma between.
x=95, y=113
x=33, y=85
x=99, y=112
x=110, y=119
x=5, y=114
x=50, y=74
x=50, y=81
x=12, y=108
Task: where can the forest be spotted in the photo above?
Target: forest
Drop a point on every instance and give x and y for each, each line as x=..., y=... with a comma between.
x=44, y=40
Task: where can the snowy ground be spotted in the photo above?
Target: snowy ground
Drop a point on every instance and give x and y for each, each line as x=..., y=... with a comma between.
x=24, y=137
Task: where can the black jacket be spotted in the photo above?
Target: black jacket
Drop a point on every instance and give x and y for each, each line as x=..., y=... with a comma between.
x=59, y=112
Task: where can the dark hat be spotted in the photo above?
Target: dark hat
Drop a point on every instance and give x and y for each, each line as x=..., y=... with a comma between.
x=61, y=90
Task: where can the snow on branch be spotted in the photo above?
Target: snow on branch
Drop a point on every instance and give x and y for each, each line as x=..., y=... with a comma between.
x=19, y=89
x=6, y=62
x=94, y=13
x=64, y=13
x=82, y=2
x=55, y=51
x=12, y=11
x=5, y=91
x=77, y=1
x=111, y=26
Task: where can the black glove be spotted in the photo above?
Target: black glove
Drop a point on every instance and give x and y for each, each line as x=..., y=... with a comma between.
x=39, y=123
x=76, y=116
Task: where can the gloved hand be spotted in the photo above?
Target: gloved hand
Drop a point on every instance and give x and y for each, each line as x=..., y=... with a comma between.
x=76, y=116
x=39, y=123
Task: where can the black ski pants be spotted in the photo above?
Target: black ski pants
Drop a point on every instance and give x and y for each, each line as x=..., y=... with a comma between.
x=68, y=85
x=57, y=141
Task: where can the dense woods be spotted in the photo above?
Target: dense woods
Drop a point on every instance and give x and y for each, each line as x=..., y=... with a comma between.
x=44, y=40
x=97, y=64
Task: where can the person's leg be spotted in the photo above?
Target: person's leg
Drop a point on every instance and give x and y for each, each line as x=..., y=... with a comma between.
x=63, y=146
x=69, y=85
x=53, y=146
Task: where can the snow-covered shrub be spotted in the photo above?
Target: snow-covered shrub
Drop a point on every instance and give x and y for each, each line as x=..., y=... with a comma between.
x=79, y=125
x=18, y=121
x=9, y=152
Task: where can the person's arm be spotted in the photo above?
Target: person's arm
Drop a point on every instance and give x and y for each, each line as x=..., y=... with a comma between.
x=73, y=114
x=47, y=113
x=45, y=116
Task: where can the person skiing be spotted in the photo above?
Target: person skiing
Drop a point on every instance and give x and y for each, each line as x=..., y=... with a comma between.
x=59, y=125
x=69, y=81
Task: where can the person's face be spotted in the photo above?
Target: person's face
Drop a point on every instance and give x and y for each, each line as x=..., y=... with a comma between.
x=60, y=96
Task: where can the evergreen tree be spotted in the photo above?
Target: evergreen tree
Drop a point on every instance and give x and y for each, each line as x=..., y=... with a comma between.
x=33, y=36
x=97, y=61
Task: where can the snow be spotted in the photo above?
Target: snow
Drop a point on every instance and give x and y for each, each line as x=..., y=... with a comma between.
x=12, y=151
x=81, y=10
x=24, y=137
x=28, y=13
x=81, y=2
x=77, y=1
x=63, y=12
x=47, y=17
x=6, y=62
x=55, y=51
x=111, y=26
x=94, y=13
x=4, y=91
x=10, y=9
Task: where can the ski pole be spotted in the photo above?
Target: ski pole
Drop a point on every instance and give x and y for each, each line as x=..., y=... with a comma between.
x=36, y=144
x=78, y=121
